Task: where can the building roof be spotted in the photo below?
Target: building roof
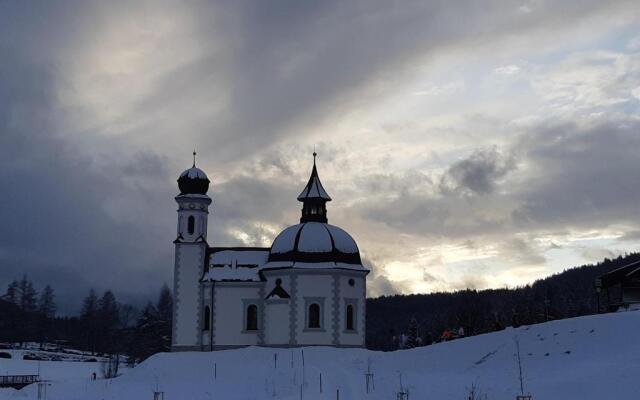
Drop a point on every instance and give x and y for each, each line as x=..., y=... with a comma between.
x=235, y=264
x=314, y=189
x=619, y=274
x=314, y=242
x=193, y=180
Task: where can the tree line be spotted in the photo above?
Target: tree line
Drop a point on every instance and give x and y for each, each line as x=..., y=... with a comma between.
x=104, y=326
x=107, y=327
x=421, y=319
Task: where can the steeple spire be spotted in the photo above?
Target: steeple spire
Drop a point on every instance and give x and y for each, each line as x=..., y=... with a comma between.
x=314, y=198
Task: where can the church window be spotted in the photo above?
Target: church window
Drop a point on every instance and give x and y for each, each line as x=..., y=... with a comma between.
x=191, y=224
x=314, y=316
x=207, y=318
x=351, y=282
x=252, y=318
x=350, y=317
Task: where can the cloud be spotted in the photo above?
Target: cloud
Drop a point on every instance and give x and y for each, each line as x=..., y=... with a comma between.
x=479, y=172
x=102, y=104
x=510, y=69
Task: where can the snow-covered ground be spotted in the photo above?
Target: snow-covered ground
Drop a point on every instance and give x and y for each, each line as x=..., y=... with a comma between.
x=595, y=357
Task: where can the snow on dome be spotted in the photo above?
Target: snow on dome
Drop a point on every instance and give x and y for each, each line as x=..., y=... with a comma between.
x=342, y=240
x=286, y=240
x=314, y=238
x=314, y=242
x=193, y=181
x=194, y=172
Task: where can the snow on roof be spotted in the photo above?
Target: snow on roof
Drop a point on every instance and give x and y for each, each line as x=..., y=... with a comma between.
x=286, y=240
x=314, y=238
x=315, y=265
x=236, y=264
x=239, y=257
x=193, y=173
x=229, y=273
x=342, y=240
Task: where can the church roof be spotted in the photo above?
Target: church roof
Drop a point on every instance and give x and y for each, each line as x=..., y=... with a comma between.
x=314, y=189
x=314, y=242
x=235, y=264
x=193, y=181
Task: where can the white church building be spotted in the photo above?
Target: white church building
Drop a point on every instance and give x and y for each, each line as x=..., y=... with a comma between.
x=307, y=289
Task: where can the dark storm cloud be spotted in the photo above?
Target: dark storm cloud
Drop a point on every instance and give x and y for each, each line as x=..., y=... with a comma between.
x=56, y=226
x=479, y=173
x=580, y=175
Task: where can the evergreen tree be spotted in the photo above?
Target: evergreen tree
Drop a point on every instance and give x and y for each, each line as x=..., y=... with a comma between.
x=145, y=340
x=46, y=304
x=46, y=313
x=165, y=303
x=412, y=336
x=27, y=295
x=88, y=319
x=165, y=311
x=12, y=295
x=108, y=321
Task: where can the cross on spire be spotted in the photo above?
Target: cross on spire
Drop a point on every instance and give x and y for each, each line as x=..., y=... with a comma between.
x=194, y=157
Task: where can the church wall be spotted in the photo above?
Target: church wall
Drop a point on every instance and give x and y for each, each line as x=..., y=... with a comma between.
x=230, y=302
x=189, y=261
x=277, y=311
x=277, y=322
x=354, y=295
x=314, y=288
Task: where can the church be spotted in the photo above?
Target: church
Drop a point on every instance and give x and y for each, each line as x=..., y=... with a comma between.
x=307, y=289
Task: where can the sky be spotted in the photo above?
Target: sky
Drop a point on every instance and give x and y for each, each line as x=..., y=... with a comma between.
x=468, y=144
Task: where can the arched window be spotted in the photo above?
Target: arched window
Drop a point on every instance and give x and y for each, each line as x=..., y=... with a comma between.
x=314, y=316
x=350, y=317
x=207, y=318
x=191, y=224
x=252, y=318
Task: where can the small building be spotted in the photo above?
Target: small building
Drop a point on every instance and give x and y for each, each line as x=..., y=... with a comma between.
x=621, y=287
x=308, y=288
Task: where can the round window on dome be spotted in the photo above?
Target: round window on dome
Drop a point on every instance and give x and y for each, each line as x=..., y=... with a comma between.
x=352, y=282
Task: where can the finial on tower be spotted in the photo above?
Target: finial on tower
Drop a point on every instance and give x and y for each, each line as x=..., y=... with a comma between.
x=314, y=154
x=194, y=157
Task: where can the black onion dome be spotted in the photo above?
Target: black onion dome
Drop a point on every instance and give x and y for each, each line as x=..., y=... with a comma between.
x=193, y=181
x=315, y=242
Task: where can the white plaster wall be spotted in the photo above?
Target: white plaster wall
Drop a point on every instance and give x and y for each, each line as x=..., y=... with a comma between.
x=357, y=291
x=229, y=313
x=277, y=322
x=198, y=208
x=189, y=261
x=314, y=285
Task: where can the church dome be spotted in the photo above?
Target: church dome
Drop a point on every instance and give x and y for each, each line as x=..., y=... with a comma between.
x=315, y=242
x=193, y=180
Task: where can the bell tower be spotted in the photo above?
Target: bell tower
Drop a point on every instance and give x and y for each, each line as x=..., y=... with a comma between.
x=190, y=255
x=314, y=198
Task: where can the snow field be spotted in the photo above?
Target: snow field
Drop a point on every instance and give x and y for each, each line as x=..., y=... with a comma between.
x=594, y=357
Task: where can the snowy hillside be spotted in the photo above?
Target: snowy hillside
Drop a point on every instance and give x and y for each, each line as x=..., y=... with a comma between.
x=595, y=357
